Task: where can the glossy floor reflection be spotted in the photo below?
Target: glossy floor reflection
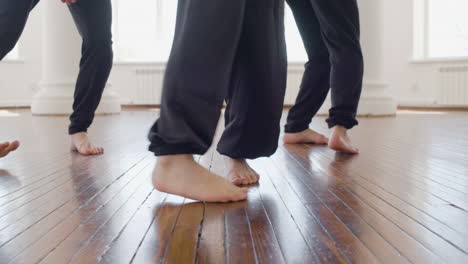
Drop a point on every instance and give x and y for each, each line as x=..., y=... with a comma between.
x=404, y=199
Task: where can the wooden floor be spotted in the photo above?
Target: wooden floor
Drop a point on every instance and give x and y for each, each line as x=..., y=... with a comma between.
x=404, y=199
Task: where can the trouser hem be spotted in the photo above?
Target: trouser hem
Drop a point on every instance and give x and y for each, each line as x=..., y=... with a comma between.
x=295, y=128
x=347, y=122
x=179, y=149
x=72, y=131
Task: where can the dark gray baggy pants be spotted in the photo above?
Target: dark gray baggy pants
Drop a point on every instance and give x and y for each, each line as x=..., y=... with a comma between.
x=93, y=18
x=224, y=50
x=330, y=30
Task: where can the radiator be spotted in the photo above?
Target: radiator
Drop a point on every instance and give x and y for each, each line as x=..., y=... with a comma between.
x=148, y=86
x=453, y=85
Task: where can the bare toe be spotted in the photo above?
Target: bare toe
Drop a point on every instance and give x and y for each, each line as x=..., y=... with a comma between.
x=4, y=149
x=14, y=145
x=82, y=144
x=340, y=141
x=240, y=173
x=307, y=136
x=170, y=175
x=237, y=181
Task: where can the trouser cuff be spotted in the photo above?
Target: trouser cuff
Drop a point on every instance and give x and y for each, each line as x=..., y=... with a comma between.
x=74, y=130
x=295, y=127
x=247, y=154
x=175, y=149
x=346, y=121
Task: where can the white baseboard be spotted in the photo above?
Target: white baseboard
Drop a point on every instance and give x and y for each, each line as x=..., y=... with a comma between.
x=15, y=103
x=417, y=103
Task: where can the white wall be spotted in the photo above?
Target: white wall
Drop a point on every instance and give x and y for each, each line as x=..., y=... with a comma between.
x=412, y=84
x=409, y=83
x=18, y=79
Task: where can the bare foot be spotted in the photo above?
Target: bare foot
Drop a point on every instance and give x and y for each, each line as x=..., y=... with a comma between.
x=7, y=147
x=340, y=141
x=181, y=175
x=239, y=172
x=81, y=144
x=307, y=136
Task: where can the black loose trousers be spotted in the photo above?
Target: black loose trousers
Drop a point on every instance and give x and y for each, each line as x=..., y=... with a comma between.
x=330, y=31
x=224, y=50
x=93, y=19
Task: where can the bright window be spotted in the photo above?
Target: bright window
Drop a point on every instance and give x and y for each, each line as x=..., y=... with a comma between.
x=144, y=32
x=296, y=51
x=441, y=29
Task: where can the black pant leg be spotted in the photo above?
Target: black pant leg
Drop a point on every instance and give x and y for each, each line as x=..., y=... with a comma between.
x=94, y=22
x=13, y=17
x=197, y=75
x=339, y=21
x=258, y=83
x=316, y=80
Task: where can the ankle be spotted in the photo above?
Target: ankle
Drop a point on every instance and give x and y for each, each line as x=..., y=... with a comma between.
x=79, y=136
x=296, y=133
x=234, y=162
x=340, y=130
x=171, y=160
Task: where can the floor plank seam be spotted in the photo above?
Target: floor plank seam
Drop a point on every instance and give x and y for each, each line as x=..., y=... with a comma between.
x=99, y=228
x=163, y=202
x=342, y=252
x=410, y=217
x=391, y=221
x=291, y=215
x=107, y=247
x=55, y=211
x=251, y=236
x=326, y=206
x=91, y=214
x=166, y=249
x=199, y=233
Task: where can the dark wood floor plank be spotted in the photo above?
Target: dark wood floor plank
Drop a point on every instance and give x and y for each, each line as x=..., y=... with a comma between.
x=34, y=175
x=433, y=242
x=315, y=235
x=267, y=248
x=63, y=201
x=293, y=245
x=47, y=176
x=440, y=157
x=20, y=178
x=439, y=192
x=77, y=182
x=347, y=231
x=373, y=194
x=239, y=241
x=186, y=234
x=412, y=157
x=211, y=247
x=82, y=235
x=440, y=161
x=124, y=247
x=389, y=222
x=440, y=181
x=67, y=175
x=50, y=232
x=113, y=229
x=155, y=243
x=432, y=206
x=439, y=174
x=403, y=199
